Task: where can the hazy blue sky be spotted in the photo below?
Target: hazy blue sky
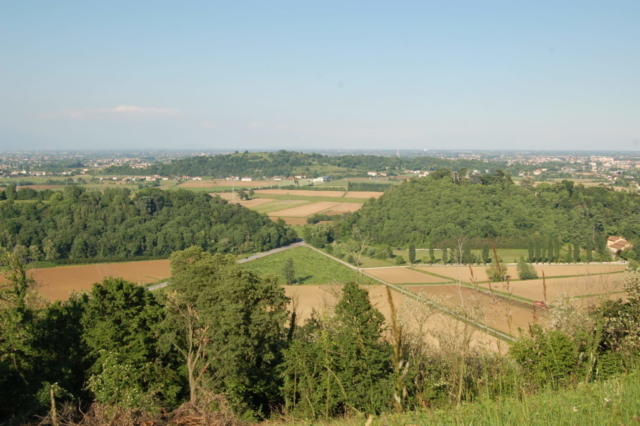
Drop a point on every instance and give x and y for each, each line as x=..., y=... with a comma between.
x=320, y=74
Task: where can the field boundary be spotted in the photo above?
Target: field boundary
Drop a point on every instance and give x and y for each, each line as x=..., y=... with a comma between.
x=480, y=326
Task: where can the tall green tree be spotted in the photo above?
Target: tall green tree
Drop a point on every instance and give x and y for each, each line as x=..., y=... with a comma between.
x=289, y=271
x=412, y=254
x=241, y=320
x=340, y=364
x=121, y=330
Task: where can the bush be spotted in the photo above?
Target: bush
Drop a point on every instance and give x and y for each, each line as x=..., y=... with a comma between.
x=400, y=260
x=526, y=271
x=494, y=273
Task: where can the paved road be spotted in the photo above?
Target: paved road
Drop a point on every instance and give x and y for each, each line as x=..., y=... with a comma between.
x=246, y=259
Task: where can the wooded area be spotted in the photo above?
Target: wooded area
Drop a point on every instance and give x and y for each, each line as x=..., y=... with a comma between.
x=114, y=224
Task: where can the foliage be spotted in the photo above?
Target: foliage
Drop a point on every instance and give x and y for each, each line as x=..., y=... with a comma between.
x=288, y=271
x=441, y=209
x=339, y=364
x=288, y=163
x=121, y=330
x=242, y=317
x=79, y=224
x=526, y=271
x=311, y=267
x=547, y=358
x=495, y=272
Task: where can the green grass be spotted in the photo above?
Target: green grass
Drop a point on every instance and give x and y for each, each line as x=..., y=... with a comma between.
x=612, y=402
x=311, y=267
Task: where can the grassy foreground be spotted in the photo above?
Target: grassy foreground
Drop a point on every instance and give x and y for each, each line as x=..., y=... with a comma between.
x=310, y=267
x=613, y=402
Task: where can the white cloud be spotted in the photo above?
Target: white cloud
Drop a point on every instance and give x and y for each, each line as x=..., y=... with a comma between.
x=120, y=110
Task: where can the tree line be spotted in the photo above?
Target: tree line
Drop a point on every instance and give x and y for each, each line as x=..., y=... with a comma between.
x=78, y=224
x=446, y=207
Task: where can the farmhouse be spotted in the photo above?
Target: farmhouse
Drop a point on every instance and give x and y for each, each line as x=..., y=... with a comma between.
x=616, y=244
x=321, y=179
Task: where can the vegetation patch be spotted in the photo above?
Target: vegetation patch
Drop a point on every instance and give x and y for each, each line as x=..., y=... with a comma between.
x=310, y=267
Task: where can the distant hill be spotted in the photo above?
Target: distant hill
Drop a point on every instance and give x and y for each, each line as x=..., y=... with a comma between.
x=288, y=163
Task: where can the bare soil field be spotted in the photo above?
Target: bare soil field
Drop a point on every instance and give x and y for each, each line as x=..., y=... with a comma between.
x=561, y=287
x=462, y=273
x=302, y=192
x=224, y=195
x=403, y=275
x=304, y=211
x=586, y=269
x=323, y=297
x=57, y=283
x=254, y=202
x=363, y=194
x=291, y=221
x=498, y=313
x=343, y=208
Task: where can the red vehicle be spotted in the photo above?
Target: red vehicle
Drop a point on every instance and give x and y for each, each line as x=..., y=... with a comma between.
x=542, y=304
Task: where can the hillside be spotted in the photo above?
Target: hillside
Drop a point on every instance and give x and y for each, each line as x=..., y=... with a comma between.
x=119, y=224
x=440, y=209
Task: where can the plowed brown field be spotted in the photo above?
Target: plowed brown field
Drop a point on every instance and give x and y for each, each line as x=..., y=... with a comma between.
x=344, y=208
x=304, y=211
x=57, y=283
x=363, y=194
x=321, y=297
x=570, y=287
x=498, y=313
x=403, y=275
x=302, y=192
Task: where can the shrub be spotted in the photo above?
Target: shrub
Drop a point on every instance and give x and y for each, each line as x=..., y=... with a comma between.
x=526, y=271
x=400, y=260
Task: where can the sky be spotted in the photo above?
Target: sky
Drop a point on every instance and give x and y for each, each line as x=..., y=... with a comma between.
x=320, y=74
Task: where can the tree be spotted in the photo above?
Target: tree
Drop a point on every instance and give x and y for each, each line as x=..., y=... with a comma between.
x=576, y=252
x=412, y=254
x=339, y=364
x=121, y=324
x=289, y=271
x=238, y=321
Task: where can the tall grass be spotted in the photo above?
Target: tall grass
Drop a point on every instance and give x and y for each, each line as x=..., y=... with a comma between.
x=612, y=402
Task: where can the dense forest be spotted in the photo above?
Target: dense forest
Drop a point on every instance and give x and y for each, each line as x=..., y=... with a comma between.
x=287, y=163
x=78, y=224
x=445, y=207
x=219, y=344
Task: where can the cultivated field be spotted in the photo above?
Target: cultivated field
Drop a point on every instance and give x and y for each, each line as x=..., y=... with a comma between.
x=343, y=208
x=304, y=192
x=57, y=283
x=562, y=287
x=306, y=210
x=403, y=275
x=363, y=194
x=463, y=273
x=506, y=316
x=229, y=183
x=323, y=297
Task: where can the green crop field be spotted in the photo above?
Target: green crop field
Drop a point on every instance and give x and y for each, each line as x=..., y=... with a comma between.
x=310, y=267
